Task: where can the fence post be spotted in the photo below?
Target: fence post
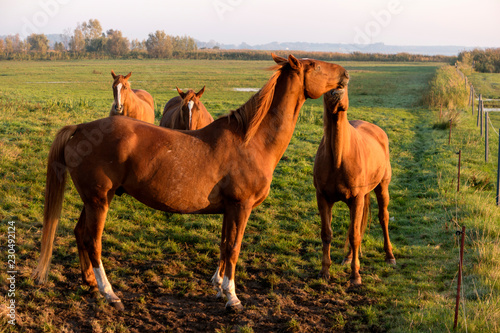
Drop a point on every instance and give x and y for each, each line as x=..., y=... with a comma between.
x=479, y=108
x=459, y=281
x=486, y=143
x=482, y=116
x=473, y=97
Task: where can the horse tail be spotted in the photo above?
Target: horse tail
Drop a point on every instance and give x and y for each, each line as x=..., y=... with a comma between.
x=54, y=195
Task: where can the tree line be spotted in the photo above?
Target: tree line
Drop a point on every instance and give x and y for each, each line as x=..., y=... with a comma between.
x=482, y=60
x=88, y=40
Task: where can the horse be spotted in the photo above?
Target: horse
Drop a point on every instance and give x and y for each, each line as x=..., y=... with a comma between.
x=224, y=168
x=186, y=111
x=352, y=160
x=134, y=103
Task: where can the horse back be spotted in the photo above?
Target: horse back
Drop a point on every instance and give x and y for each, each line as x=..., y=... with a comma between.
x=145, y=96
x=372, y=135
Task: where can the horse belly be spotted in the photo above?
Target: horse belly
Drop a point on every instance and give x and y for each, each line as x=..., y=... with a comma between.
x=175, y=192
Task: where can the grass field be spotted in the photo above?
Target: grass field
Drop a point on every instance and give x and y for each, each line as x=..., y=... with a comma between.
x=161, y=264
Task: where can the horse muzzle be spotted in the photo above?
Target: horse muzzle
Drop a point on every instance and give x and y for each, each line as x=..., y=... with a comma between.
x=118, y=109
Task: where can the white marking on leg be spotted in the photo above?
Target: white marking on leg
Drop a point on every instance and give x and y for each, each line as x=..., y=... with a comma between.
x=104, y=286
x=190, y=107
x=229, y=291
x=217, y=282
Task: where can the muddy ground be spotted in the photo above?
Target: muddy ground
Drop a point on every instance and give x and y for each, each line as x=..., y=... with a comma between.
x=291, y=304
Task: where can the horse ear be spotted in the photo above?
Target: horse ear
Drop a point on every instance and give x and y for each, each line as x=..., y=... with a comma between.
x=294, y=62
x=182, y=94
x=113, y=74
x=199, y=93
x=279, y=60
x=128, y=75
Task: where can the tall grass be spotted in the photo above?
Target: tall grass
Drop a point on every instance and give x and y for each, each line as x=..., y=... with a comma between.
x=447, y=89
x=448, y=93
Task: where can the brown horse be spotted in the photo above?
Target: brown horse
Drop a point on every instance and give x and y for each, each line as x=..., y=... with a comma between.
x=186, y=112
x=133, y=103
x=224, y=168
x=352, y=160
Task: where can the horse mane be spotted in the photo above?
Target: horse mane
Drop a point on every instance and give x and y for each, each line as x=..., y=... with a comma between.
x=249, y=116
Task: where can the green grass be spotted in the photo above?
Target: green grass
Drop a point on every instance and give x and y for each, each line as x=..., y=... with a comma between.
x=151, y=255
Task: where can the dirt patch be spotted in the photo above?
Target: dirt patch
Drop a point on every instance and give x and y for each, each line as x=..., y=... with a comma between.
x=189, y=304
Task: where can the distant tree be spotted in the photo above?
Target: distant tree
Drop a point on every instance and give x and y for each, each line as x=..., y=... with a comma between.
x=91, y=33
x=59, y=47
x=138, y=46
x=66, y=37
x=9, y=48
x=96, y=45
x=38, y=43
x=2, y=46
x=14, y=44
x=117, y=45
x=77, y=41
x=160, y=45
x=91, y=30
x=184, y=44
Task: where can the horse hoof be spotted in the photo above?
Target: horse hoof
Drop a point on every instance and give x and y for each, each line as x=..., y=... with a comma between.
x=391, y=261
x=219, y=295
x=235, y=308
x=118, y=305
x=356, y=281
x=324, y=276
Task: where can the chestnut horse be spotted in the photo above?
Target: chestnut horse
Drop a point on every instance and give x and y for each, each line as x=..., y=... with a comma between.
x=352, y=160
x=224, y=168
x=134, y=103
x=186, y=111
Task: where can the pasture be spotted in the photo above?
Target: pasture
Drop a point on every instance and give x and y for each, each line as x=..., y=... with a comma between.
x=161, y=264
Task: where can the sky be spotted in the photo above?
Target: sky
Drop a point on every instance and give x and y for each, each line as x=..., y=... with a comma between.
x=470, y=23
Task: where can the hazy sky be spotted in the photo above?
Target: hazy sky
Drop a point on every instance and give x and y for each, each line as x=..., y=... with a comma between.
x=395, y=22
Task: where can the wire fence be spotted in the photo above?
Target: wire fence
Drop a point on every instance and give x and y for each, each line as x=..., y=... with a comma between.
x=484, y=123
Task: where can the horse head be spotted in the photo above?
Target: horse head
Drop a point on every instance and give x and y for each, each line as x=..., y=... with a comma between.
x=336, y=100
x=191, y=107
x=120, y=86
x=318, y=76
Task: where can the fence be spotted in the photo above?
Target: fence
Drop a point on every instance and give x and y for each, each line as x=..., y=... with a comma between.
x=483, y=122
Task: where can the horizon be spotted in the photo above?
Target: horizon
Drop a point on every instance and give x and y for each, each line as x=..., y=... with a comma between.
x=391, y=22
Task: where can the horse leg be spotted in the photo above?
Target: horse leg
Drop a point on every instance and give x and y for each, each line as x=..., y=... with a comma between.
x=235, y=220
x=325, y=212
x=94, y=225
x=364, y=224
x=85, y=264
x=356, y=206
x=219, y=272
x=382, y=192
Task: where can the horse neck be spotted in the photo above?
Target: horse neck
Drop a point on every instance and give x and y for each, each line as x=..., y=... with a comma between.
x=129, y=98
x=337, y=135
x=183, y=118
x=277, y=128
